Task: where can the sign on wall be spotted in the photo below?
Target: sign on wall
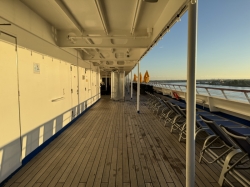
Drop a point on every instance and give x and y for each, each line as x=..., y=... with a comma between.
x=36, y=68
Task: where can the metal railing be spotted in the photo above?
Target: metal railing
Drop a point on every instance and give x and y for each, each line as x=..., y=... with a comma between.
x=227, y=93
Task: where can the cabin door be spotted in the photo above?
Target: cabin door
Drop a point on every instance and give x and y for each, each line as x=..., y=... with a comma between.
x=10, y=144
x=93, y=84
x=74, y=90
x=97, y=84
x=82, y=88
x=88, y=86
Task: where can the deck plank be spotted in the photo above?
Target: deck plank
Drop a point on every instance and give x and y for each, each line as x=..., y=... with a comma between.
x=112, y=145
x=48, y=152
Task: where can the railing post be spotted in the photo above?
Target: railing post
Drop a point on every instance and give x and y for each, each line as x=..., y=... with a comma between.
x=138, y=89
x=247, y=97
x=208, y=92
x=191, y=93
x=224, y=94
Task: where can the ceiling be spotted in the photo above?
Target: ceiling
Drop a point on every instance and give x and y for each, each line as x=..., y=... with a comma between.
x=112, y=34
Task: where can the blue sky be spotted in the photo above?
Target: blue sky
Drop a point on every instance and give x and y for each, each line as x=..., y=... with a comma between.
x=223, y=44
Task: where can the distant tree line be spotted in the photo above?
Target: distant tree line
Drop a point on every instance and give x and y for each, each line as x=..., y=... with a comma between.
x=225, y=82
x=239, y=83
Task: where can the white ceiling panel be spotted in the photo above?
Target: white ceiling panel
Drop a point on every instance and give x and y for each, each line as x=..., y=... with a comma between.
x=109, y=33
x=86, y=13
x=51, y=12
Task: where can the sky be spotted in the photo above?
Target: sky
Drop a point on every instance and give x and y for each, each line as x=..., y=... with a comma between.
x=223, y=46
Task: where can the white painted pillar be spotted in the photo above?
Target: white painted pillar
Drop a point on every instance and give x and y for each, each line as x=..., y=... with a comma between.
x=131, y=86
x=128, y=82
x=112, y=84
x=138, y=89
x=123, y=86
x=106, y=83
x=191, y=93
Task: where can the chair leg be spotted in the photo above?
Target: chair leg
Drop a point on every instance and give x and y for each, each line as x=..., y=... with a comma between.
x=183, y=129
x=206, y=144
x=226, y=167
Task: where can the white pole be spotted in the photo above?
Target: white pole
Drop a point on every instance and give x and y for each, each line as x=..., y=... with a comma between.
x=128, y=82
x=191, y=93
x=138, y=89
x=112, y=84
x=123, y=86
x=131, y=84
x=106, y=83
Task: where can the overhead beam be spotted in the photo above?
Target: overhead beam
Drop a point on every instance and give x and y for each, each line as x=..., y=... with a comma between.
x=86, y=51
x=100, y=12
x=64, y=40
x=135, y=18
x=112, y=59
x=86, y=46
x=109, y=37
x=69, y=14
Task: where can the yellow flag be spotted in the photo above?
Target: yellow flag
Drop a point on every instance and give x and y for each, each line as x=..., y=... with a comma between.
x=146, y=77
x=135, y=78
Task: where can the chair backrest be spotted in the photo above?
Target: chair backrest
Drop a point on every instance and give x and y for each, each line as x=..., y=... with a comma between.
x=242, y=141
x=219, y=132
x=170, y=106
x=157, y=99
x=182, y=112
x=179, y=110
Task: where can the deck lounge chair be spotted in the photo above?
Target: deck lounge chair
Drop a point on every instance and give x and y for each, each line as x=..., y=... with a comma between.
x=232, y=166
x=160, y=105
x=157, y=106
x=217, y=153
x=200, y=125
x=175, y=118
x=216, y=146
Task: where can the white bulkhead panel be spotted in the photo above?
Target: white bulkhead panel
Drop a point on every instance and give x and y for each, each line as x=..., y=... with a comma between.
x=44, y=94
x=88, y=85
x=10, y=146
x=74, y=87
x=82, y=85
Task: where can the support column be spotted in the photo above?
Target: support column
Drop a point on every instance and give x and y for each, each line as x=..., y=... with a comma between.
x=131, y=81
x=128, y=83
x=191, y=93
x=138, y=88
x=106, y=83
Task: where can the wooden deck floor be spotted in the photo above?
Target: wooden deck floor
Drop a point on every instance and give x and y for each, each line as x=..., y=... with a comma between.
x=112, y=145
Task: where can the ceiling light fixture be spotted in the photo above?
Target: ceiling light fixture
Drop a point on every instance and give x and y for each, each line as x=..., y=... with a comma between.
x=193, y=2
x=178, y=19
x=168, y=29
x=151, y=1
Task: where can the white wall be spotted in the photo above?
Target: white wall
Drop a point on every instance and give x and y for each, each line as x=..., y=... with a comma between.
x=46, y=101
x=50, y=98
x=10, y=149
x=32, y=31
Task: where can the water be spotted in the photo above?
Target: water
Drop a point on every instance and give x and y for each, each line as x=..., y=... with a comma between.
x=231, y=95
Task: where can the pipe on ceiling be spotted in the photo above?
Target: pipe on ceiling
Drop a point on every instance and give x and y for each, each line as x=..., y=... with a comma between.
x=108, y=37
x=137, y=11
x=86, y=51
x=99, y=9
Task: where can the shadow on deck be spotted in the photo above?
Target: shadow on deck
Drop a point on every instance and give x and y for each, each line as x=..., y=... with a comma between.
x=112, y=145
